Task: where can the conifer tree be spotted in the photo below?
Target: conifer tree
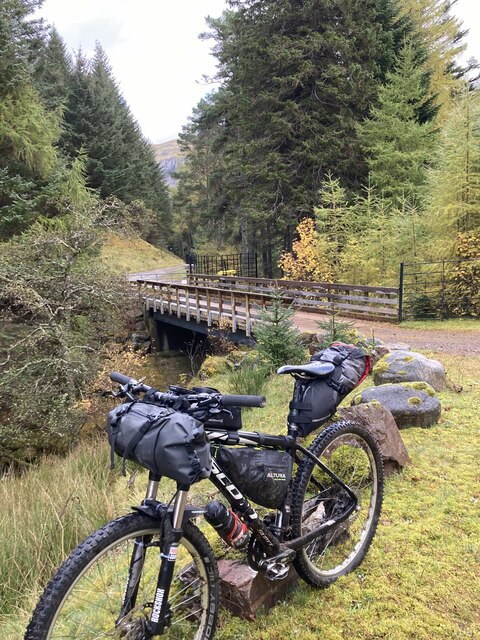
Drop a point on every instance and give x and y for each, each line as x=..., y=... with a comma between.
x=334, y=221
x=278, y=340
x=52, y=72
x=295, y=78
x=398, y=136
x=442, y=38
x=119, y=160
x=27, y=133
x=453, y=189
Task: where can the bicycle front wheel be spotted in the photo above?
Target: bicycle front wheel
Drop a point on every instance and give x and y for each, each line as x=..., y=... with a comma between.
x=354, y=457
x=86, y=599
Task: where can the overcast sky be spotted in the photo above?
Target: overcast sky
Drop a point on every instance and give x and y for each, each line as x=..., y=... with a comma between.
x=156, y=55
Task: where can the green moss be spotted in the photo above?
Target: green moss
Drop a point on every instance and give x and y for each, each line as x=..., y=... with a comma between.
x=420, y=386
x=374, y=403
x=382, y=366
x=409, y=359
x=357, y=399
x=415, y=400
x=402, y=372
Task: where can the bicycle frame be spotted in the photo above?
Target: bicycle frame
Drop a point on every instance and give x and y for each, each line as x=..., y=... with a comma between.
x=280, y=549
x=274, y=539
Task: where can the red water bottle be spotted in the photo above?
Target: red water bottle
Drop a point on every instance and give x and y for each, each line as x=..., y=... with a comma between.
x=227, y=524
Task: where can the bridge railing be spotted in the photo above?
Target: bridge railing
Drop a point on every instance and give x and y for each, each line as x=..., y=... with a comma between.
x=358, y=301
x=204, y=303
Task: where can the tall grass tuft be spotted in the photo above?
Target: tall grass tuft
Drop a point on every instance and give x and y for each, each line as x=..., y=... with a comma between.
x=46, y=512
x=250, y=379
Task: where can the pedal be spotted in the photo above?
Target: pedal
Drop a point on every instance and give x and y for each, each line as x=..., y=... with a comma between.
x=276, y=571
x=276, y=568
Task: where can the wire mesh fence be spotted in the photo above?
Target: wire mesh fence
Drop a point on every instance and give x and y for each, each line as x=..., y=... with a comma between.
x=442, y=289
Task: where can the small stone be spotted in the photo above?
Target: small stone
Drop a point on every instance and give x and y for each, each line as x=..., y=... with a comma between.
x=244, y=590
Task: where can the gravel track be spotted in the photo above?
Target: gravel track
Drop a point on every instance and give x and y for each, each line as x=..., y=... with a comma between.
x=456, y=342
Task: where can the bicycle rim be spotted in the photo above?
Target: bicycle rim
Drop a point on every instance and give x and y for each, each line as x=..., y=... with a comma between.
x=353, y=456
x=91, y=605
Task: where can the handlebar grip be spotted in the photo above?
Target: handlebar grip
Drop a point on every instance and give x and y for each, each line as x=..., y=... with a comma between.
x=119, y=377
x=242, y=401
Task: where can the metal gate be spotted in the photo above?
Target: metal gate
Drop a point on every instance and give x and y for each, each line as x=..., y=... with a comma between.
x=243, y=265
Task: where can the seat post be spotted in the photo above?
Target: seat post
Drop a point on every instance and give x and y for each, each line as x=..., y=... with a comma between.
x=292, y=427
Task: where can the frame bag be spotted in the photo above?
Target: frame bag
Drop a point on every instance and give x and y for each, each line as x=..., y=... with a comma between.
x=261, y=474
x=320, y=397
x=165, y=442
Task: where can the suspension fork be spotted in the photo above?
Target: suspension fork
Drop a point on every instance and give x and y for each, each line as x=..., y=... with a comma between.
x=138, y=558
x=159, y=618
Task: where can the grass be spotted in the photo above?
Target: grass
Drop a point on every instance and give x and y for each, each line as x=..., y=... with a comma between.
x=452, y=324
x=418, y=582
x=131, y=255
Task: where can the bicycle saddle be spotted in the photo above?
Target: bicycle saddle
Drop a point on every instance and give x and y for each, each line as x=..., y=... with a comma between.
x=311, y=370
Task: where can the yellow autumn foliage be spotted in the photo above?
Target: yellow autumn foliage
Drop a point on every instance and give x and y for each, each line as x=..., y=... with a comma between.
x=307, y=260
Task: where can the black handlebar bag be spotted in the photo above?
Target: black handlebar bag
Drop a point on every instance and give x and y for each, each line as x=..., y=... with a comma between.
x=165, y=442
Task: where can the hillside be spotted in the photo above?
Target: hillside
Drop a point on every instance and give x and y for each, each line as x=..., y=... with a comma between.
x=170, y=158
x=133, y=254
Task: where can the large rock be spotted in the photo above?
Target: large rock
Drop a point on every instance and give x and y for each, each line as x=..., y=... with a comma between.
x=244, y=591
x=379, y=421
x=408, y=366
x=413, y=404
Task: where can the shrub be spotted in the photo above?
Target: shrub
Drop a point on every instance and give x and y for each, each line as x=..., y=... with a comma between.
x=278, y=341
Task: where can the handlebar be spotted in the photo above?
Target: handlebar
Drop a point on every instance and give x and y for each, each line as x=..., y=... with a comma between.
x=119, y=377
x=242, y=401
x=131, y=386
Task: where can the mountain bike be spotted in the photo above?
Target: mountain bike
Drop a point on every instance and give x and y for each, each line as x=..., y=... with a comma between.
x=153, y=573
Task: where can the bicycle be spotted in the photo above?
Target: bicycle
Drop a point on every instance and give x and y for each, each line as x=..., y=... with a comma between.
x=153, y=572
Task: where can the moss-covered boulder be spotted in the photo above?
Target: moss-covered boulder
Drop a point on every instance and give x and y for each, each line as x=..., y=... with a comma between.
x=413, y=404
x=408, y=366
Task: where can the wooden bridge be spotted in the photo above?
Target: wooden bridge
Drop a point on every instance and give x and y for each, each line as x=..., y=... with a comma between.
x=203, y=301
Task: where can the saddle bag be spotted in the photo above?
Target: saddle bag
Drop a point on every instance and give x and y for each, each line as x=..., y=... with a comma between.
x=261, y=474
x=320, y=397
x=165, y=442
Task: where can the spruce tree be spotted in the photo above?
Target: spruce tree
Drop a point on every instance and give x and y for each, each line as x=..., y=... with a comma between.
x=295, y=78
x=278, y=340
x=398, y=136
x=52, y=72
x=119, y=160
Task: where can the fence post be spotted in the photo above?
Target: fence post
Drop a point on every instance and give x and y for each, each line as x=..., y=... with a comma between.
x=400, y=293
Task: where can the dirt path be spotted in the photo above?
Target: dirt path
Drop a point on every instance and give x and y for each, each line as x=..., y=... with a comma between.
x=447, y=341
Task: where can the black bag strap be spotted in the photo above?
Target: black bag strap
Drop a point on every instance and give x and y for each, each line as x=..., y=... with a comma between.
x=150, y=420
x=113, y=428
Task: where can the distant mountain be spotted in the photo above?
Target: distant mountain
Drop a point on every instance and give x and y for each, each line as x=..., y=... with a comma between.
x=170, y=158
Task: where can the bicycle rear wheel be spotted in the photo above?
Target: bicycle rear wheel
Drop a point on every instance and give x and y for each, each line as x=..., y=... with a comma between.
x=84, y=599
x=353, y=455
